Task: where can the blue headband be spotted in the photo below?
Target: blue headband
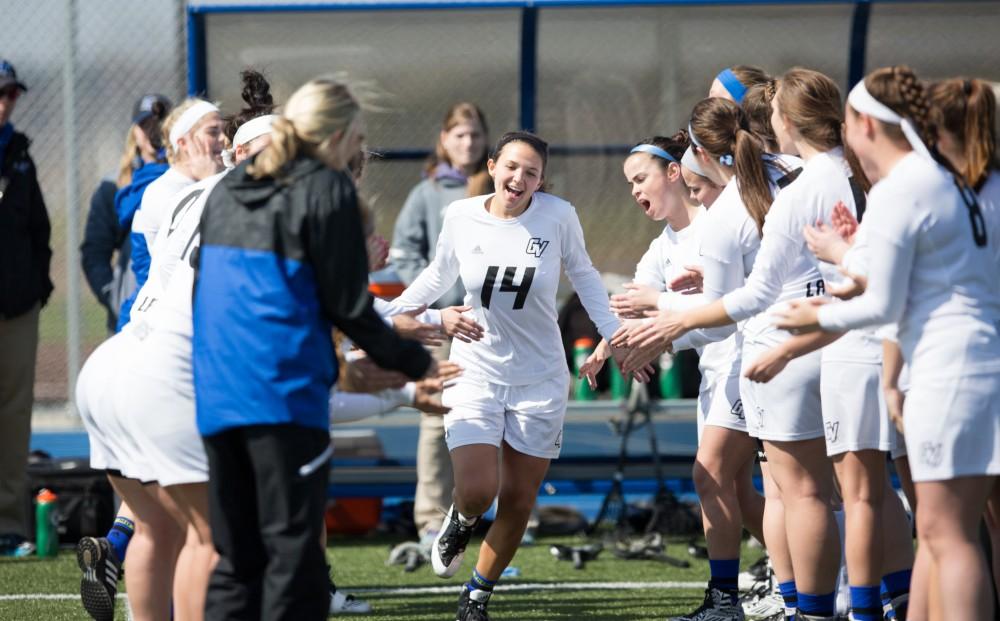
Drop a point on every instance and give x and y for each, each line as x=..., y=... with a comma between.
x=728, y=79
x=652, y=149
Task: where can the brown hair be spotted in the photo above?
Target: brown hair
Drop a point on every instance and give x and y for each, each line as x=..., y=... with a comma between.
x=479, y=184
x=538, y=145
x=898, y=88
x=750, y=76
x=721, y=128
x=675, y=145
x=257, y=101
x=757, y=105
x=812, y=102
x=966, y=108
x=461, y=112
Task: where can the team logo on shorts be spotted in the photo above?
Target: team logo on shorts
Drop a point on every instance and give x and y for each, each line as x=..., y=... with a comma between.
x=558, y=442
x=737, y=410
x=931, y=453
x=536, y=246
x=832, y=431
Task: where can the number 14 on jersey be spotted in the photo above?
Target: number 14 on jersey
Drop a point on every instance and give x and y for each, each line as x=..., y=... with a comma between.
x=507, y=285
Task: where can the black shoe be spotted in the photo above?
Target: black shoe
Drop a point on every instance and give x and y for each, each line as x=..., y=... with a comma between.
x=99, y=584
x=472, y=605
x=718, y=606
x=449, y=545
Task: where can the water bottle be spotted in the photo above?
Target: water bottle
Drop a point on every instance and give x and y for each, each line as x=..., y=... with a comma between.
x=670, y=377
x=47, y=523
x=582, y=348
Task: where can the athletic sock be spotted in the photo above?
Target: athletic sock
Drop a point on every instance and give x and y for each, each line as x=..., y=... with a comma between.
x=120, y=534
x=819, y=605
x=791, y=597
x=725, y=577
x=866, y=603
x=896, y=586
x=467, y=521
x=479, y=587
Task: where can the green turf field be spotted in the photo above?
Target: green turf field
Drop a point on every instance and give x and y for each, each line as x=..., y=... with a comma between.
x=359, y=567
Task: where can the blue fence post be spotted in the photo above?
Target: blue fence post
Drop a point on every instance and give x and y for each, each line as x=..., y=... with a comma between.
x=859, y=43
x=529, y=66
x=196, y=53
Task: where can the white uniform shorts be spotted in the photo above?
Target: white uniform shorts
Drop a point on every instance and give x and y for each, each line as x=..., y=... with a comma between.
x=158, y=408
x=854, y=412
x=720, y=405
x=94, y=402
x=529, y=418
x=786, y=409
x=953, y=426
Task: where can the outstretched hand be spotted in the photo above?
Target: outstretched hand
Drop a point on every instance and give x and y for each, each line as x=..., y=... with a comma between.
x=409, y=327
x=690, y=281
x=459, y=325
x=799, y=316
x=636, y=300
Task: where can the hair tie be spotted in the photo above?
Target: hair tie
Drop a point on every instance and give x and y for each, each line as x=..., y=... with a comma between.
x=652, y=149
x=726, y=160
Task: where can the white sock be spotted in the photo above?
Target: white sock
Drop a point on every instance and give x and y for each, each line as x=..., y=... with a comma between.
x=467, y=521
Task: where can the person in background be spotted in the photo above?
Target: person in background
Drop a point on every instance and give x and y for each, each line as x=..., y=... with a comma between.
x=455, y=170
x=24, y=289
x=108, y=275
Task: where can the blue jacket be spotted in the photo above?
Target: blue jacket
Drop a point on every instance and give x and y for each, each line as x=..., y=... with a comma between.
x=280, y=264
x=127, y=202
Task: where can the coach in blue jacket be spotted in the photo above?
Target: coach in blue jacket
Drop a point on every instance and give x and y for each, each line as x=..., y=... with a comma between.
x=282, y=260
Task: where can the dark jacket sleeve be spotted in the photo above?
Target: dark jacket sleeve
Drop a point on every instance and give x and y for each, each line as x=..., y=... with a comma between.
x=336, y=247
x=100, y=240
x=40, y=231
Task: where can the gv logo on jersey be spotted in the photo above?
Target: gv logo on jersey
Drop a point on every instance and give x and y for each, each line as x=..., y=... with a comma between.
x=737, y=410
x=832, y=431
x=536, y=246
x=931, y=453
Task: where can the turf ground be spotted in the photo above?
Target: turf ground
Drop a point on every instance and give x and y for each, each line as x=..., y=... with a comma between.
x=607, y=589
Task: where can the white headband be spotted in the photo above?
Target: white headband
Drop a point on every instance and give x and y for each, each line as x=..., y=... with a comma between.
x=690, y=161
x=189, y=118
x=254, y=128
x=863, y=101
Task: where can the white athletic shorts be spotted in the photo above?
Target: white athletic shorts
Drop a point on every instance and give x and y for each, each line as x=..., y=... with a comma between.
x=720, y=405
x=953, y=426
x=529, y=418
x=95, y=404
x=157, y=405
x=787, y=408
x=854, y=413
x=899, y=442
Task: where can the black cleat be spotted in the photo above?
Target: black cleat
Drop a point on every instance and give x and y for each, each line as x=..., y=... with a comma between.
x=99, y=584
x=448, y=548
x=472, y=605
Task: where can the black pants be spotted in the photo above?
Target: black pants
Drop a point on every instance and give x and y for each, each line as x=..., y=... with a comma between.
x=267, y=490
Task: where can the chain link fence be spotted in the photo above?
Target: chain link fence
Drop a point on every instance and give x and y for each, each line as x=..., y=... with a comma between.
x=607, y=76
x=111, y=51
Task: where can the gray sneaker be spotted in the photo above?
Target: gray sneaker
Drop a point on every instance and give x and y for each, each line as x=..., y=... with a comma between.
x=718, y=606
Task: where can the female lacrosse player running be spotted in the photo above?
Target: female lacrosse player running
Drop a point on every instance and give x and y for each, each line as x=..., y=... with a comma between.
x=508, y=407
x=927, y=243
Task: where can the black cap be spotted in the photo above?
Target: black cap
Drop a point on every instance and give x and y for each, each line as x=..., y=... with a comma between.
x=8, y=76
x=147, y=106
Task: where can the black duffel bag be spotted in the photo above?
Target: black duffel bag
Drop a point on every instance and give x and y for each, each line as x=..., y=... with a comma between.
x=86, y=501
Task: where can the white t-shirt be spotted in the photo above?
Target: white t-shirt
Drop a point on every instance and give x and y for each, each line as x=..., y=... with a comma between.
x=666, y=259
x=510, y=270
x=156, y=203
x=927, y=273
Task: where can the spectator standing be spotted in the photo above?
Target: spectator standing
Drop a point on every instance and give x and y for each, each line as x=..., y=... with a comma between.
x=24, y=289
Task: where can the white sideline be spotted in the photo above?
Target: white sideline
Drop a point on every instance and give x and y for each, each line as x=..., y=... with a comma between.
x=526, y=586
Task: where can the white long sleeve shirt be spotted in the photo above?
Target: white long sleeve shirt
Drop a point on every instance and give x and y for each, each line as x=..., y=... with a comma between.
x=927, y=273
x=729, y=249
x=665, y=260
x=157, y=203
x=785, y=269
x=510, y=270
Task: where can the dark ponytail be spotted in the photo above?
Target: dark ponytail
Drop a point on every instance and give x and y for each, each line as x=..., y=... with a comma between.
x=257, y=101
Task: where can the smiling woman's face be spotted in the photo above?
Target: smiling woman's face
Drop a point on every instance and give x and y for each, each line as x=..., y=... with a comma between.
x=517, y=175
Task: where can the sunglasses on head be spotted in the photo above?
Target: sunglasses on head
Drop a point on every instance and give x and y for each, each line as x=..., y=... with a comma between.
x=11, y=92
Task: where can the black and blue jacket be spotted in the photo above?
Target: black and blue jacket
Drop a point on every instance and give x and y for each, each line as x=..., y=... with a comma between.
x=281, y=262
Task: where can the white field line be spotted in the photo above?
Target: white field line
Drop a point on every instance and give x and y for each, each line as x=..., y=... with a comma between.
x=526, y=586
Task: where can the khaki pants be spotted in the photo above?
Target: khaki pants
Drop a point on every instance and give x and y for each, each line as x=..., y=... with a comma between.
x=18, y=350
x=435, y=479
